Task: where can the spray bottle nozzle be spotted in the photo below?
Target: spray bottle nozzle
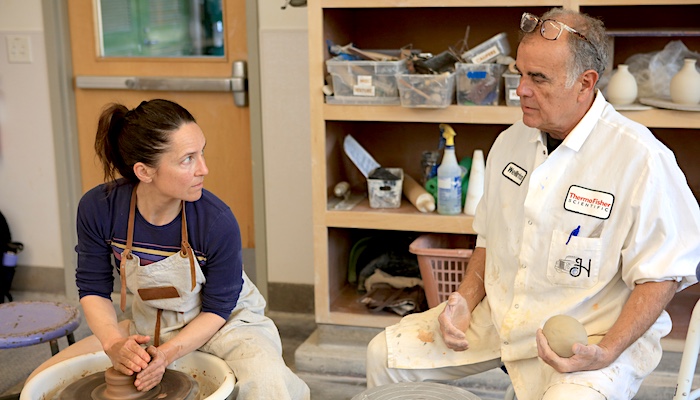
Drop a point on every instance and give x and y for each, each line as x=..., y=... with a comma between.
x=448, y=134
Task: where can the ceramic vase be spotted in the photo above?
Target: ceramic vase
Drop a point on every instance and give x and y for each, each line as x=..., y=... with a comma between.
x=622, y=87
x=685, y=85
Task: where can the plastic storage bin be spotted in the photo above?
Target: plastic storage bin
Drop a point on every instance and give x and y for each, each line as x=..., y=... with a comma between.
x=426, y=91
x=489, y=50
x=479, y=84
x=442, y=259
x=386, y=193
x=511, y=82
x=365, y=82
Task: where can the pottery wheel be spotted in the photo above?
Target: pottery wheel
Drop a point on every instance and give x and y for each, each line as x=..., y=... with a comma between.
x=175, y=385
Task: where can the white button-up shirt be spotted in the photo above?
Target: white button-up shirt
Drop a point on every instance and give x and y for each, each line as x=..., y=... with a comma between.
x=573, y=231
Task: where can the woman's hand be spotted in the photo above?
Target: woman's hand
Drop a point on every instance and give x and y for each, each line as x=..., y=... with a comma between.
x=127, y=355
x=454, y=322
x=153, y=373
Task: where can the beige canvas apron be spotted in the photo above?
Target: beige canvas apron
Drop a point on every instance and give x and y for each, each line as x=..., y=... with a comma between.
x=167, y=293
x=167, y=297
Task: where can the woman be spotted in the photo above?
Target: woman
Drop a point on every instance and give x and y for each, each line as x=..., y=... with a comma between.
x=178, y=248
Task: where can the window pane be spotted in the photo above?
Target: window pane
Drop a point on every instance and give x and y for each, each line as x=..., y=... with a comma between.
x=161, y=28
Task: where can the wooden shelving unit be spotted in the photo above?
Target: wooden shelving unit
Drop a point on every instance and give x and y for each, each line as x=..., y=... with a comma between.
x=396, y=135
x=654, y=118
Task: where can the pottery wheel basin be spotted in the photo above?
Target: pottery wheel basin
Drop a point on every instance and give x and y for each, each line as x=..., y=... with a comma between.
x=209, y=376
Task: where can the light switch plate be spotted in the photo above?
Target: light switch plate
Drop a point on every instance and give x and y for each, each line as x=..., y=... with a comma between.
x=19, y=49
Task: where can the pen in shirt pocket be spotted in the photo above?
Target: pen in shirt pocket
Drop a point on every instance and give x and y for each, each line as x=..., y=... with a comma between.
x=594, y=234
x=573, y=233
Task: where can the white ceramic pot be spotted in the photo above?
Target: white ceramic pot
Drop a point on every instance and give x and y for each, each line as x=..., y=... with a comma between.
x=685, y=85
x=622, y=87
x=215, y=378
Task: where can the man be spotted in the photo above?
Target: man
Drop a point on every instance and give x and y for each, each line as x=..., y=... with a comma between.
x=584, y=213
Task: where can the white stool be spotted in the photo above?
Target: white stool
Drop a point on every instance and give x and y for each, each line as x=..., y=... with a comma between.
x=689, y=359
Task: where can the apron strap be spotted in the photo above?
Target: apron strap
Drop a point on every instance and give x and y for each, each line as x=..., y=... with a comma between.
x=126, y=254
x=186, y=250
x=156, y=338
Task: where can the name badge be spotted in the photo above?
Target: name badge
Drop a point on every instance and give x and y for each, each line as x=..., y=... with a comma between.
x=589, y=202
x=514, y=173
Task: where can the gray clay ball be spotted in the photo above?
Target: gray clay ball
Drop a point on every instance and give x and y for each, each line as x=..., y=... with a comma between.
x=562, y=331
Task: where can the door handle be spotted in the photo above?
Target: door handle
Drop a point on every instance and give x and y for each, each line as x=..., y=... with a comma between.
x=237, y=83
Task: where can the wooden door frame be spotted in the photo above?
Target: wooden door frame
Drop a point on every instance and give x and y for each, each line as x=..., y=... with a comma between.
x=63, y=117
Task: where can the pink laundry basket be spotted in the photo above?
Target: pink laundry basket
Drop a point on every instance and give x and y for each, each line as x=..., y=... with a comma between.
x=442, y=259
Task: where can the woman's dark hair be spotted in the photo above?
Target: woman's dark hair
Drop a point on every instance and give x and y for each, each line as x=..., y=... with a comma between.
x=125, y=137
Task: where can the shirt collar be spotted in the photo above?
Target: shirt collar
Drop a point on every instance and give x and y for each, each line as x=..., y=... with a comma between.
x=574, y=140
x=536, y=135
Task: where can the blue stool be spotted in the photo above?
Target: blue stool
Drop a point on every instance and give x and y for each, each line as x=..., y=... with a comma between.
x=25, y=323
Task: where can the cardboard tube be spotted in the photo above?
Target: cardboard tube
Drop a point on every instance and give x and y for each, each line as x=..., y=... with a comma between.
x=419, y=197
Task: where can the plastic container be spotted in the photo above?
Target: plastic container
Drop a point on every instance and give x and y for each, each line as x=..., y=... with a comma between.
x=449, y=177
x=426, y=91
x=442, y=259
x=489, y=50
x=511, y=82
x=365, y=82
x=479, y=84
x=386, y=193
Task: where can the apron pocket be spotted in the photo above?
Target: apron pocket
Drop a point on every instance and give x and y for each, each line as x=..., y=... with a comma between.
x=157, y=293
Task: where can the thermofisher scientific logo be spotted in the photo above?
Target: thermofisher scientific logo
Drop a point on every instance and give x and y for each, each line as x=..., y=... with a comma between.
x=589, y=202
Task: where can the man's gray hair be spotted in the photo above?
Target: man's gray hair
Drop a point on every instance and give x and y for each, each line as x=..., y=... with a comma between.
x=592, y=54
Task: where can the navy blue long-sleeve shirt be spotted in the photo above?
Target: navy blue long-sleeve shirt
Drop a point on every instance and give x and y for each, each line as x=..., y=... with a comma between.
x=213, y=233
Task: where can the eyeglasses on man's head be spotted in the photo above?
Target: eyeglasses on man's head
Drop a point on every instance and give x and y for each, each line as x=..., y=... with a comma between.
x=550, y=29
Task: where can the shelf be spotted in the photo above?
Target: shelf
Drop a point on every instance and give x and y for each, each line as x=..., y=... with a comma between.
x=346, y=310
x=404, y=218
x=493, y=3
x=432, y=3
x=452, y=114
x=654, y=118
x=677, y=32
x=657, y=118
x=405, y=132
x=635, y=2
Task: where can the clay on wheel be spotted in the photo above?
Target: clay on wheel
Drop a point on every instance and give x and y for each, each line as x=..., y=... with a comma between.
x=562, y=331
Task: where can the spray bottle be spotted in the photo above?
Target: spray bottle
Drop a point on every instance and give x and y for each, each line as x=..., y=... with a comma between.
x=449, y=175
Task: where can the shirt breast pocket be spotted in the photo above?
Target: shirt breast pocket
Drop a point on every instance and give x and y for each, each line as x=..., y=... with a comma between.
x=573, y=261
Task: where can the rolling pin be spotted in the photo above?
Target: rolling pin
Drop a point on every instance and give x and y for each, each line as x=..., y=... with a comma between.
x=419, y=197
